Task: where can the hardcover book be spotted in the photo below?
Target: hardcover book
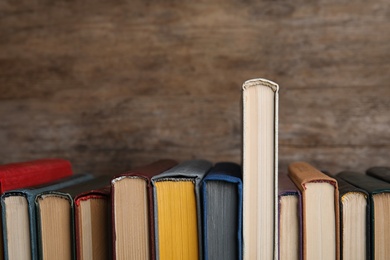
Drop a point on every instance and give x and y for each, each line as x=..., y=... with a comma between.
x=320, y=211
x=222, y=212
x=379, y=196
x=56, y=218
x=133, y=212
x=93, y=224
x=290, y=219
x=18, y=217
x=354, y=221
x=178, y=211
x=260, y=163
x=30, y=173
x=382, y=173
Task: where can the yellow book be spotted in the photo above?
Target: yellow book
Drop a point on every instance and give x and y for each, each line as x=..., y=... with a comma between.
x=177, y=211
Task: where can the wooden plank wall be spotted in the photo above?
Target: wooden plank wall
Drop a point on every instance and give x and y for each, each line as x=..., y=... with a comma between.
x=111, y=85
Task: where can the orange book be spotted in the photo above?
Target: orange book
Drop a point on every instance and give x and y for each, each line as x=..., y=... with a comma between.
x=320, y=211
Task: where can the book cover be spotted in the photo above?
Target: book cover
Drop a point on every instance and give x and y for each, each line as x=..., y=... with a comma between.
x=31, y=173
x=290, y=219
x=354, y=221
x=260, y=169
x=56, y=218
x=221, y=191
x=320, y=211
x=18, y=217
x=178, y=219
x=133, y=211
x=379, y=199
x=378, y=172
x=93, y=236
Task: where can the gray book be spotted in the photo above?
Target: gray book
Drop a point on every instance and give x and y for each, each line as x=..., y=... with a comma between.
x=177, y=206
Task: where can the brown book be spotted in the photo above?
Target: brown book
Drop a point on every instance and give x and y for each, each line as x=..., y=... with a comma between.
x=133, y=212
x=320, y=211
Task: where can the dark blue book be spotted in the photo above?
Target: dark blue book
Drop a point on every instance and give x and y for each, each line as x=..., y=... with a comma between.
x=221, y=191
x=19, y=217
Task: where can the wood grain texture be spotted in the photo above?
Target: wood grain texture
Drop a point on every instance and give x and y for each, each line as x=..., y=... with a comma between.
x=111, y=85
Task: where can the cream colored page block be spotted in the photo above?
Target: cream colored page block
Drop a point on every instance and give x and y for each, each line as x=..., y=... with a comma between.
x=382, y=225
x=94, y=235
x=258, y=172
x=55, y=214
x=131, y=219
x=320, y=221
x=289, y=228
x=354, y=226
x=18, y=227
x=86, y=249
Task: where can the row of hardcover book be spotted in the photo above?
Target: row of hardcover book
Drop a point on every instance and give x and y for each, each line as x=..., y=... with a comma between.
x=342, y=216
x=191, y=210
x=196, y=210
x=163, y=210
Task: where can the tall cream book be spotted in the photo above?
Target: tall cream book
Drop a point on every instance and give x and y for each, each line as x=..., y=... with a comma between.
x=260, y=163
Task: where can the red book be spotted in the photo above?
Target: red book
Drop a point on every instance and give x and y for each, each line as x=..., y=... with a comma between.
x=92, y=210
x=25, y=174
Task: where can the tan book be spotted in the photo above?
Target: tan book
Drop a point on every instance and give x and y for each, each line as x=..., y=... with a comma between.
x=320, y=211
x=260, y=157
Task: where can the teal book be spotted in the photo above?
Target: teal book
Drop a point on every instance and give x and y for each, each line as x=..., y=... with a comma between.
x=354, y=221
x=19, y=217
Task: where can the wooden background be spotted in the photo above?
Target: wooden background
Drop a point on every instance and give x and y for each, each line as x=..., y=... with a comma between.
x=111, y=85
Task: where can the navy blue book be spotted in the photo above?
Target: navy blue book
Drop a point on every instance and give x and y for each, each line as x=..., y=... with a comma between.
x=221, y=191
x=19, y=217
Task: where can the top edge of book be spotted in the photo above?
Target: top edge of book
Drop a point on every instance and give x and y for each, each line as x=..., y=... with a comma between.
x=260, y=82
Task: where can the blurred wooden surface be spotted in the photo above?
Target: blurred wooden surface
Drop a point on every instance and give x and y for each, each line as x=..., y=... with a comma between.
x=111, y=85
